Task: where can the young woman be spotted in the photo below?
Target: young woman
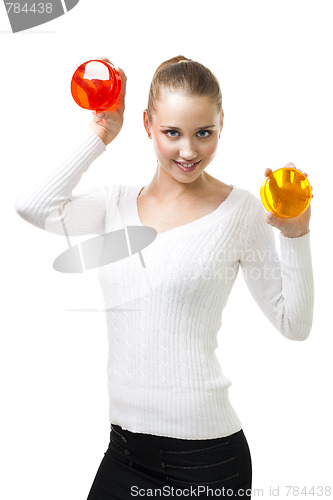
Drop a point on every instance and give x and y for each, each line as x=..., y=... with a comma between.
x=172, y=424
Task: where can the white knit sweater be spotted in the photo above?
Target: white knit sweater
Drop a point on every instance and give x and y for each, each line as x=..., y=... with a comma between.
x=162, y=320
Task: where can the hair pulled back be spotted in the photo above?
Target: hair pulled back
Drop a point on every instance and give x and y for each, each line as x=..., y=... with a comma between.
x=187, y=75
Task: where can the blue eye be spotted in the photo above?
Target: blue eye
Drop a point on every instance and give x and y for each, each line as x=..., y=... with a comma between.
x=204, y=132
x=172, y=132
x=175, y=133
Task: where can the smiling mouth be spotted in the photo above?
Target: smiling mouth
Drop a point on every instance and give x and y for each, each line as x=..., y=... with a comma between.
x=186, y=164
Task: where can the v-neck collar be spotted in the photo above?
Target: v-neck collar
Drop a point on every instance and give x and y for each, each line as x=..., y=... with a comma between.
x=133, y=217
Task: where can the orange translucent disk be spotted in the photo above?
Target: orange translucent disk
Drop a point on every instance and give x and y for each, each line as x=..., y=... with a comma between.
x=286, y=192
x=96, y=85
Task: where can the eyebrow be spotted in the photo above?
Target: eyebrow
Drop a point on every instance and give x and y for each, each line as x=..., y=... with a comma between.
x=176, y=128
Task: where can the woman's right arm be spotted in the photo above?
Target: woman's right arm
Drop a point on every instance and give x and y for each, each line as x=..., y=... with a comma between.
x=50, y=204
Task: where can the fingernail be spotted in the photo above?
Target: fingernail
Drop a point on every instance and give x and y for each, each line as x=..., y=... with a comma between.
x=269, y=215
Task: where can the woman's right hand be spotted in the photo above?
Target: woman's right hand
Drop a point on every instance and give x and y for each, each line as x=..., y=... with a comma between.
x=107, y=124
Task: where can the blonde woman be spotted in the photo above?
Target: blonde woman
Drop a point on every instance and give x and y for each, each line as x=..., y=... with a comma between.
x=172, y=424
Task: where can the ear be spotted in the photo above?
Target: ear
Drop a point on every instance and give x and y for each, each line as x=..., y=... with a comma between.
x=146, y=121
x=221, y=122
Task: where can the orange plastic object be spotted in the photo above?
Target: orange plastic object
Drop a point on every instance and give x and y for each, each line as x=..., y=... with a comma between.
x=286, y=192
x=96, y=85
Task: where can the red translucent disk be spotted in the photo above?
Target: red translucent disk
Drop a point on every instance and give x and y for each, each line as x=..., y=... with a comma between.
x=96, y=85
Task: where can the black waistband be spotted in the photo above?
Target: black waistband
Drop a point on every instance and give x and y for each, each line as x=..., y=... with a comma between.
x=165, y=441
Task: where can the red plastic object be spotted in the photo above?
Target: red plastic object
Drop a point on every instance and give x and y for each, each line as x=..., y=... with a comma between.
x=96, y=85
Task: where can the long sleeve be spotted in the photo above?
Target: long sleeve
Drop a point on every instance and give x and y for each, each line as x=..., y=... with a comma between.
x=282, y=287
x=50, y=205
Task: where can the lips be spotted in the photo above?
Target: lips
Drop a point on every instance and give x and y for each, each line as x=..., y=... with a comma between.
x=182, y=166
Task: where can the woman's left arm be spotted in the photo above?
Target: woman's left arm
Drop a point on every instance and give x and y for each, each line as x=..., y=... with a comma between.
x=282, y=286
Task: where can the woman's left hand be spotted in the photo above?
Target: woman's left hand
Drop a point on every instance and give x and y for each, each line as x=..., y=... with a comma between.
x=292, y=227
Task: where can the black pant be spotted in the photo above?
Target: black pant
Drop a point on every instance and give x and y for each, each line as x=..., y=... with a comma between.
x=137, y=465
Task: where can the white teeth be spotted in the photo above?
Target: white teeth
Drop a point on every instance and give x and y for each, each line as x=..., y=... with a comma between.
x=187, y=166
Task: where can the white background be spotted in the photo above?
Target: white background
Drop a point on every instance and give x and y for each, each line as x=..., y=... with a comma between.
x=273, y=61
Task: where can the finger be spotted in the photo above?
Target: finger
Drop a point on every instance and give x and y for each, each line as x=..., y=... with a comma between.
x=98, y=114
x=272, y=220
x=289, y=164
x=122, y=76
x=268, y=172
x=121, y=98
x=121, y=72
x=105, y=59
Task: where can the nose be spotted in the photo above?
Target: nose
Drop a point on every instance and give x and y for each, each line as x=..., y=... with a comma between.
x=187, y=150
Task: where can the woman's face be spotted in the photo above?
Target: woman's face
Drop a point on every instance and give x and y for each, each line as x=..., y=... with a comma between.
x=185, y=130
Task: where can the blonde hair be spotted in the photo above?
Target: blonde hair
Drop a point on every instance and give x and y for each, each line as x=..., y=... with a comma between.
x=182, y=73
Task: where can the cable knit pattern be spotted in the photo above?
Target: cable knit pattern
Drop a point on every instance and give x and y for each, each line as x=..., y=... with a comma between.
x=164, y=377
